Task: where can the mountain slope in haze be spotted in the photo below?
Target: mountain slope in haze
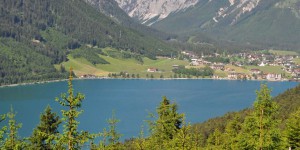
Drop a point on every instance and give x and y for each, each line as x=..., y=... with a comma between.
x=269, y=24
x=151, y=11
x=52, y=29
x=111, y=9
x=261, y=23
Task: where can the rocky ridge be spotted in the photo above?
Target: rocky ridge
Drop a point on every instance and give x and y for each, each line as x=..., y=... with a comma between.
x=237, y=7
x=150, y=11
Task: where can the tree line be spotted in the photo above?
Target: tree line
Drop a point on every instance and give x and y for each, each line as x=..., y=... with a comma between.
x=197, y=72
x=259, y=128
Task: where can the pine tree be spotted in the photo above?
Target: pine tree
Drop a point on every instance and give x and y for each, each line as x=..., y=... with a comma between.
x=231, y=134
x=2, y=130
x=71, y=138
x=46, y=132
x=197, y=137
x=140, y=143
x=260, y=129
x=13, y=142
x=293, y=130
x=183, y=139
x=110, y=138
x=215, y=140
x=167, y=124
x=113, y=135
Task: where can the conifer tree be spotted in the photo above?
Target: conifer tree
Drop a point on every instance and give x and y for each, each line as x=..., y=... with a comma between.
x=183, y=139
x=231, y=134
x=140, y=143
x=215, y=140
x=13, y=142
x=293, y=130
x=168, y=123
x=260, y=129
x=2, y=130
x=71, y=138
x=197, y=137
x=111, y=137
x=102, y=143
x=46, y=132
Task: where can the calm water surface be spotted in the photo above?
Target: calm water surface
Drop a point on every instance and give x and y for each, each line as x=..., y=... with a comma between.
x=132, y=100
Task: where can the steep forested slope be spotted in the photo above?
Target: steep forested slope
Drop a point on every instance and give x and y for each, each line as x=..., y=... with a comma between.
x=268, y=24
x=52, y=29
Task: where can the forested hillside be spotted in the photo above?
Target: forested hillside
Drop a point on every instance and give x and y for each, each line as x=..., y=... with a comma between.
x=50, y=30
x=261, y=23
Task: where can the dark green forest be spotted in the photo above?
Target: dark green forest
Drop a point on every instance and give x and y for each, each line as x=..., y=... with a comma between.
x=271, y=123
x=35, y=35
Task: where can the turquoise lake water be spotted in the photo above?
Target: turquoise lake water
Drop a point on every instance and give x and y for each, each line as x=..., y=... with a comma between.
x=132, y=100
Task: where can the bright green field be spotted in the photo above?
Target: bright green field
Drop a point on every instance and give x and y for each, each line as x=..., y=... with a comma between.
x=296, y=61
x=82, y=66
x=282, y=53
x=267, y=69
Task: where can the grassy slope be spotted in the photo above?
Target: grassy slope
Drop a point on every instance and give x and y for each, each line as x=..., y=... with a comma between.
x=297, y=61
x=82, y=66
x=117, y=63
x=282, y=53
x=267, y=69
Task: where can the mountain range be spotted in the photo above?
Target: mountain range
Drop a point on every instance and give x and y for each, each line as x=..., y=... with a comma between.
x=264, y=23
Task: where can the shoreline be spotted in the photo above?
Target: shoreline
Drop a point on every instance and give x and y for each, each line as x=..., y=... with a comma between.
x=108, y=78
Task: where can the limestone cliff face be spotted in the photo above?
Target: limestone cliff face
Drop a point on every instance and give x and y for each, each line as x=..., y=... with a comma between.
x=150, y=11
x=236, y=8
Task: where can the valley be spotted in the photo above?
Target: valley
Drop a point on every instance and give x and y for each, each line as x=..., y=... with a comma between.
x=273, y=65
x=162, y=74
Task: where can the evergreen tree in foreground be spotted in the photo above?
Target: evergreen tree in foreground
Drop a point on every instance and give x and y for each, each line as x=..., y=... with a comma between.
x=183, y=140
x=2, y=130
x=230, y=136
x=166, y=126
x=260, y=129
x=111, y=137
x=215, y=140
x=71, y=138
x=293, y=130
x=13, y=141
x=46, y=132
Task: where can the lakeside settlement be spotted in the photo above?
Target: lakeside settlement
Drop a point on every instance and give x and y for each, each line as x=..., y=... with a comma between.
x=255, y=65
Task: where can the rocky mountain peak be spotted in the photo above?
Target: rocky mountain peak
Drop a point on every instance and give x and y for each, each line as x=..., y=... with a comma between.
x=236, y=7
x=150, y=11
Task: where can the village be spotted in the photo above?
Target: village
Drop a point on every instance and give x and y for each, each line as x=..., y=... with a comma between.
x=270, y=65
x=249, y=66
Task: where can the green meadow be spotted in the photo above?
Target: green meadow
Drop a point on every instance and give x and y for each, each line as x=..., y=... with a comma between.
x=283, y=53
x=267, y=69
x=116, y=65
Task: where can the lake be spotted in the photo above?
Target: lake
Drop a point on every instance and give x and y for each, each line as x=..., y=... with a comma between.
x=132, y=100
